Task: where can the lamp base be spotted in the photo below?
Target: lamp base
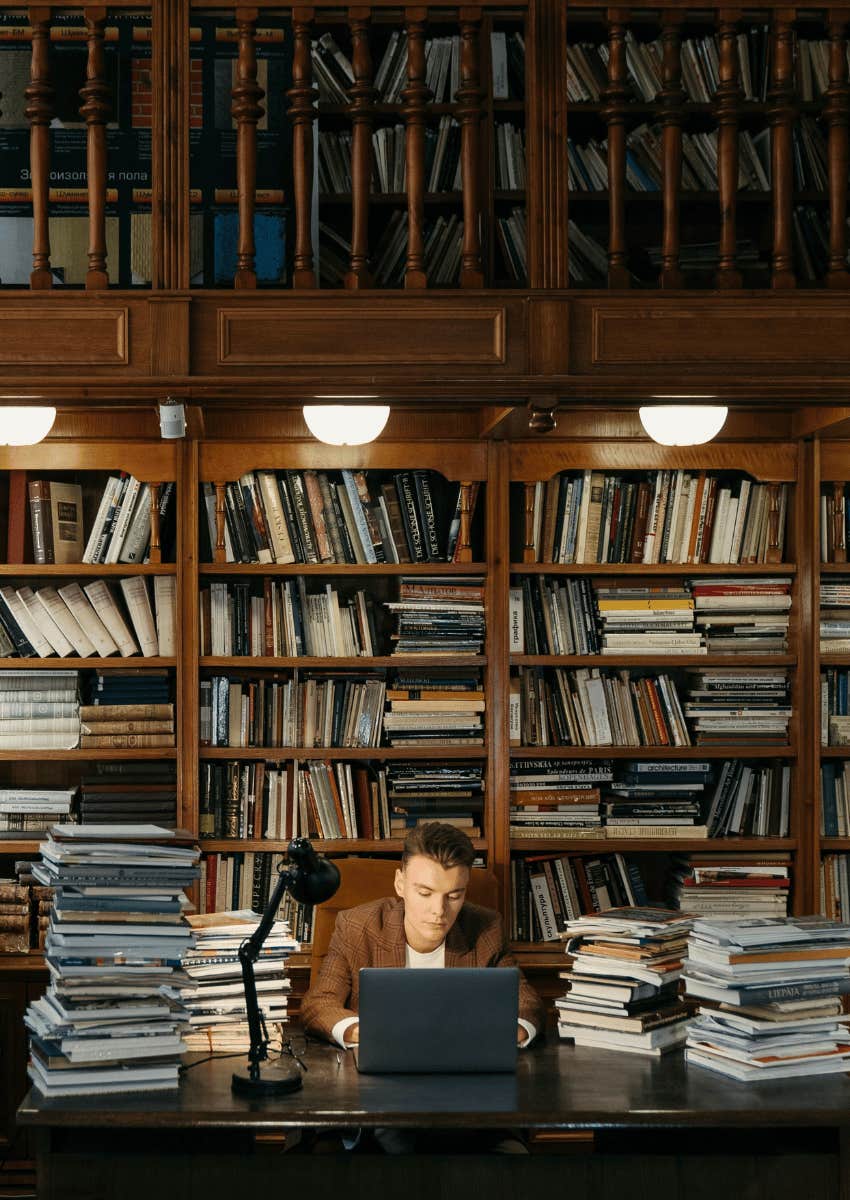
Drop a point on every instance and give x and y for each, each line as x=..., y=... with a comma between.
x=278, y=1082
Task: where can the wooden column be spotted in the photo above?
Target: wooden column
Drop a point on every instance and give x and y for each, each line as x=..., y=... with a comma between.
x=361, y=109
x=614, y=113
x=529, y=554
x=468, y=111
x=95, y=110
x=246, y=111
x=835, y=114
x=727, y=101
x=416, y=96
x=170, y=68
x=39, y=112
x=672, y=98
x=302, y=112
x=464, y=543
x=547, y=187
x=155, y=551
x=839, y=552
x=781, y=114
x=220, y=547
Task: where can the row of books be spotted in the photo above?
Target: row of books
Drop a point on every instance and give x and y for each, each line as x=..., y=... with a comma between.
x=587, y=67
x=835, y=706
x=338, y=517
x=835, y=799
x=655, y=516
x=244, y=880
x=389, y=164
x=545, y=888
x=512, y=232
x=834, y=886
x=264, y=618
x=94, y=618
x=19, y=916
x=443, y=240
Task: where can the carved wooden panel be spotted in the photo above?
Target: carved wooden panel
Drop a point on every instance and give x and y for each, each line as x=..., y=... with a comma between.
x=393, y=335
x=64, y=336
x=740, y=335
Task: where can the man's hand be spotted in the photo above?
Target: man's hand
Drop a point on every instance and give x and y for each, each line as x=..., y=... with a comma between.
x=351, y=1036
x=521, y=1035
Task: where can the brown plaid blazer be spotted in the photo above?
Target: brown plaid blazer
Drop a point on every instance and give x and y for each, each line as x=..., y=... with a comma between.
x=372, y=935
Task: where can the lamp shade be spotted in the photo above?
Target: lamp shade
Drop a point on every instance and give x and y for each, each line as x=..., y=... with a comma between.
x=346, y=424
x=683, y=424
x=25, y=425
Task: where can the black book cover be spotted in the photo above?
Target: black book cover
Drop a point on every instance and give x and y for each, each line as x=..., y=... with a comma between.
x=412, y=529
x=303, y=516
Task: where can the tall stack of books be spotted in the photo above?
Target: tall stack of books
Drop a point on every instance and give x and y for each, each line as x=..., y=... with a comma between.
x=728, y=707
x=750, y=800
x=451, y=792
x=775, y=988
x=834, y=614
x=747, y=615
x=215, y=997
x=429, y=714
x=648, y=620
x=554, y=799
x=657, y=799
x=439, y=616
x=128, y=793
x=39, y=710
x=31, y=810
x=116, y=937
x=732, y=885
x=623, y=987
x=129, y=707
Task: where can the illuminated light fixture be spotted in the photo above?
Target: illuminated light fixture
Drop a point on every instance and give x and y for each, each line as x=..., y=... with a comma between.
x=24, y=425
x=683, y=424
x=346, y=424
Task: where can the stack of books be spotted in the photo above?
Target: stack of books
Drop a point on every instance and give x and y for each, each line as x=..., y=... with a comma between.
x=39, y=710
x=31, y=810
x=750, y=800
x=573, y=815
x=215, y=997
x=429, y=714
x=451, y=792
x=15, y=917
x=116, y=937
x=142, y=688
x=732, y=885
x=648, y=620
x=128, y=793
x=439, y=616
x=777, y=985
x=127, y=726
x=834, y=615
x=728, y=707
x=546, y=785
x=657, y=799
x=623, y=987
x=747, y=615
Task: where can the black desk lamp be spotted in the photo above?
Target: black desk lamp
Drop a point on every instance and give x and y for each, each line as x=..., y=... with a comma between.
x=310, y=879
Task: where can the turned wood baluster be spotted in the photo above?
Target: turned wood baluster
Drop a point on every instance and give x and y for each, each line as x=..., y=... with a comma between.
x=95, y=95
x=220, y=548
x=772, y=554
x=781, y=115
x=302, y=111
x=468, y=111
x=246, y=111
x=464, y=544
x=614, y=112
x=835, y=113
x=39, y=112
x=416, y=96
x=528, y=552
x=672, y=97
x=361, y=110
x=155, y=552
x=839, y=541
x=727, y=101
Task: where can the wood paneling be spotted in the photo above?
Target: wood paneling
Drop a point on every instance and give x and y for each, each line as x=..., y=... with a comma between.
x=63, y=335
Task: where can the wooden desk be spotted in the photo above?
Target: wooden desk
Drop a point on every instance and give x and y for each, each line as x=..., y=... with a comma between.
x=661, y=1130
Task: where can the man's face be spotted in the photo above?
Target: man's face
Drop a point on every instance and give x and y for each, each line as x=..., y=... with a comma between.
x=433, y=896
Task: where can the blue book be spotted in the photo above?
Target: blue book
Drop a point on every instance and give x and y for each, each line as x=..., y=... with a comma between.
x=830, y=807
x=269, y=242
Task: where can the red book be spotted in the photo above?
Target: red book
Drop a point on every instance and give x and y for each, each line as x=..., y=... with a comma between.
x=17, y=549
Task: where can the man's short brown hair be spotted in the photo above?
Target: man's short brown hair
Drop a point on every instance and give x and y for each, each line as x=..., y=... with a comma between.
x=448, y=846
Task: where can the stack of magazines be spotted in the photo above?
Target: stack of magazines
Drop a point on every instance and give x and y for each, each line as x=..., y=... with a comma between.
x=215, y=995
x=110, y=1020
x=623, y=988
x=777, y=984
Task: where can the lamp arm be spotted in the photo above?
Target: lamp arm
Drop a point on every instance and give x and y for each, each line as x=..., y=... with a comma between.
x=249, y=952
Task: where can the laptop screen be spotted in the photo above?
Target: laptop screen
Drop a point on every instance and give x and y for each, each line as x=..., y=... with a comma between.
x=459, y=1019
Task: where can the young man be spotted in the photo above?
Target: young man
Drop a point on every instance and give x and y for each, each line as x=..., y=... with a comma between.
x=426, y=924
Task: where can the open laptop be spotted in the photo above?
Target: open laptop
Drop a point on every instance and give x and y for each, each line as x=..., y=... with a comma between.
x=461, y=1019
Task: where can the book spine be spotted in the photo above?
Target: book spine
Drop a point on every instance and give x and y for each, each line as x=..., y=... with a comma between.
x=135, y=544
x=42, y=538
x=138, y=603
x=102, y=602
x=88, y=620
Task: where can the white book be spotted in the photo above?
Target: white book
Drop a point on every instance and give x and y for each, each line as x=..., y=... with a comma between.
x=516, y=631
x=28, y=627
x=275, y=518
x=719, y=532
x=103, y=602
x=688, y=506
x=45, y=622
x=122, y=521
x=499, y=59
x=740, y=521
x=165, y=606
x=138, y=533
x=94, y=544
x=141, y=614
x=84, y=614
x=581, y=525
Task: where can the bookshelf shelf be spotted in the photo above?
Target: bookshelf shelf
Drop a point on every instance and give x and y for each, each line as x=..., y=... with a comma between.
x=73, y=570
x=630, y=569
x=633, y=845
x=333, y=664
x=339, y=754
x=653, y=752
x=833, y=568
x=140, y=754
x=85, y=664
x=435, y=568
x=338, y=846
x=834, y=751
x=649, y=660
